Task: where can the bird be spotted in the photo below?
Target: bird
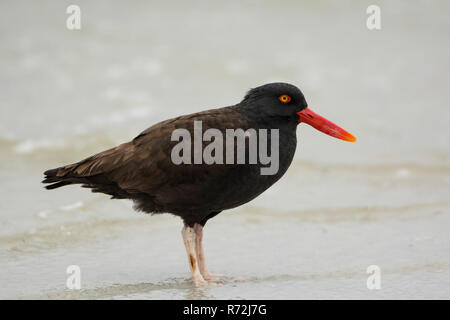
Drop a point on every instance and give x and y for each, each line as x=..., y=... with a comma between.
x=144, y=171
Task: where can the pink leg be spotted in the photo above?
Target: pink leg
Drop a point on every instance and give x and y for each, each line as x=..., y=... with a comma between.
x=198, y=229
x=189, y=242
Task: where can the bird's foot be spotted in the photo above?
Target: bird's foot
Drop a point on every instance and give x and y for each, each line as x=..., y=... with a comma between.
x=210, y=276
x=201, y=281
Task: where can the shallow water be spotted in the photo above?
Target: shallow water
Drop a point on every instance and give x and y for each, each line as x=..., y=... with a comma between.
x=340, y=208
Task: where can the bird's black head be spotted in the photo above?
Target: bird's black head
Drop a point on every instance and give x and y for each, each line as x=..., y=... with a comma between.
x=275, y=100
x=282, y=103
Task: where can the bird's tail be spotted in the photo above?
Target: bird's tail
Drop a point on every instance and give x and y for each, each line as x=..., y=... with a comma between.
x=55, y=180
x=93, y=172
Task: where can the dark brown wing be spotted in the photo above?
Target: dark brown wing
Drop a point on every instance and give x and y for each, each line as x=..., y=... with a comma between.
x=143, y=166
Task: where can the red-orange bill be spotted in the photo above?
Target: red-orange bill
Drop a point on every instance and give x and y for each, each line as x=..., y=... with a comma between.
x=322, y=124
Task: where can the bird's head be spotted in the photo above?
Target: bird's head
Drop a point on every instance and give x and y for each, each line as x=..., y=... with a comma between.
x=283, y=100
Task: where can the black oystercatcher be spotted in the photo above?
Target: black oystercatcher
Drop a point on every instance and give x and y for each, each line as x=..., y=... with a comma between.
x=145, y=171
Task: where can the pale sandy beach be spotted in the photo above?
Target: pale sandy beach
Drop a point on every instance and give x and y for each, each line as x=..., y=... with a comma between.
x=340, y=208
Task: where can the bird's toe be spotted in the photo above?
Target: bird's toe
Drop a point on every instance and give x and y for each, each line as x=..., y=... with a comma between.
x=211, y=276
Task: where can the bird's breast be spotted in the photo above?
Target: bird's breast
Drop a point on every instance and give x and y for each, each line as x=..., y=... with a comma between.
x=241, y=183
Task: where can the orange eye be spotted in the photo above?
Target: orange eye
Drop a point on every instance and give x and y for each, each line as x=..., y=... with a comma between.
x=284, y=98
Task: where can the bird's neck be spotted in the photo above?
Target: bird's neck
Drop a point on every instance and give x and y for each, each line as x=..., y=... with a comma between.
x=259, y=120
